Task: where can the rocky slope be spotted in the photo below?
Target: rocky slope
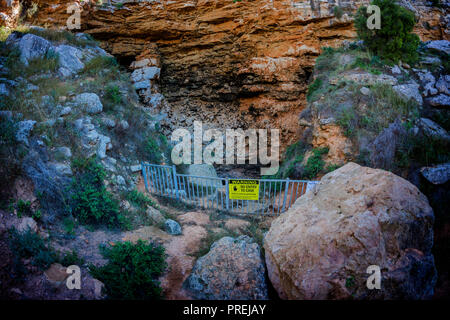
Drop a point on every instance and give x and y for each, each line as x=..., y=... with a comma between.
x=229, y=63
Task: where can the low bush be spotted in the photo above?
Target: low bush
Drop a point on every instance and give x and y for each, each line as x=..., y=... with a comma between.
x=28, y=245
x=71, y=258
x=23, y=208
x=315, y=163
x=92, y=203
x=152, y=149
x=313, y=88
x=99, y=63
x=338, y=12
x=113, y=94
x=394, y=40
x=139, y=199
x=132, y=270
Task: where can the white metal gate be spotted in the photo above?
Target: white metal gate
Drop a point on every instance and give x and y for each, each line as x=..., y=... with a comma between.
x=275, y=196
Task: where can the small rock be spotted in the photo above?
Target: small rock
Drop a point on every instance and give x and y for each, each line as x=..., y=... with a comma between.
x=125, y=205
x=439, y=174
x=365, y=91
x=109, y=123
x=135, y=168
x=16, y=291
x=103, y=145
x=396, y=70
x=110, y=164
x=172, y=227
x=443, y=84
x=63, y=152
x=432, y=129
x=429, y=60
x=90, y=102
x=24, y=130
x=65, y=111
x=56, y=275
x=145, y=84
x=27, y=223
x=123, y=125
x=32, y=87
x=428, y=81
x=4, y=90
x=61, y=168
x=441, y=46
x=98, y=287
x=156, y=216
x=440, y=101
x=120, y=181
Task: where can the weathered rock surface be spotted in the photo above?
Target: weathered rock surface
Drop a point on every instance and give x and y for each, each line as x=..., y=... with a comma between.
x=69, y=59
x=172, y=227
x=90, y=102
x=409, y=90
x=232, y=269
x=440, y=101
x=26, y=224
x=433, y=130
x=32, y=47
x=229, y=63
x=155, y=216
x=439, y=174
x=356, y=217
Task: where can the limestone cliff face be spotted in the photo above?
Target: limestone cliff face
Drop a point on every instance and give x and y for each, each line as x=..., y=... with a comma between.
x=233, y=64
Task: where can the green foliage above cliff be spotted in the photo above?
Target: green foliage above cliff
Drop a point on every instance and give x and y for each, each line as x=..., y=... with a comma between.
x=394, y=41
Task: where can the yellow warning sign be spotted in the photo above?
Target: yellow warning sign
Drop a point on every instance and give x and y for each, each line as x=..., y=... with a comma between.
x=244, y=189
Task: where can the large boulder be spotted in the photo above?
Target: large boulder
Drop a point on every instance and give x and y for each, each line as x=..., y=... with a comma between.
x=30, y=46
x=69, y=60
x=232, y=269
x=440, y=46
x=409, y=91
x=90, y=102
x=355, y=217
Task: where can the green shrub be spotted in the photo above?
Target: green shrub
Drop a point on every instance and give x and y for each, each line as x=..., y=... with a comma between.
x=113, y=94
x=139, y=199
x=23, y=208
x=347, y=120
x=99, y=63
x=71, y=258
x=132, y=270
x=30, y=245
x=48, y=63
x=394, y=40
x=315, y=163
x=37, y=215
x=69, y=225
x=313, y=88
x=92, y=203
x=8, y=129
x=338, y=12
x=152, y=150
x=421, y=150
